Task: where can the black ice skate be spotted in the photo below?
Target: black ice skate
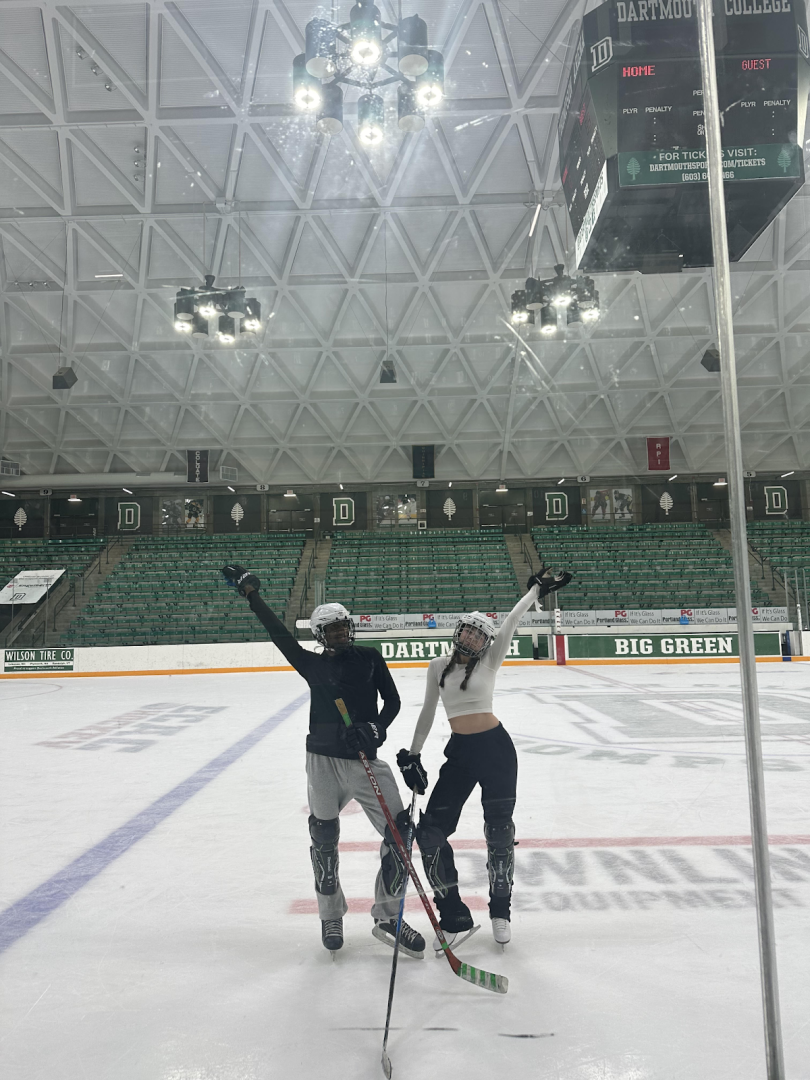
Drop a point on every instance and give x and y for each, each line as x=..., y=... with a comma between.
x=332, y=934
x=410, y=941
x=454, y=919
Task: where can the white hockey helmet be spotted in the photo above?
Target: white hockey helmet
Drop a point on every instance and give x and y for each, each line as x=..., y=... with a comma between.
x=327, y=615
x=480, y=632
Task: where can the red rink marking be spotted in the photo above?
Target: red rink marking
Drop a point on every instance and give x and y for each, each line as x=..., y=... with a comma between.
x=600, y=842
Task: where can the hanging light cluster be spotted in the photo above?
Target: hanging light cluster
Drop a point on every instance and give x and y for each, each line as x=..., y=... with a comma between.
x=361, y=53
x=195, y=309
x=576, y=297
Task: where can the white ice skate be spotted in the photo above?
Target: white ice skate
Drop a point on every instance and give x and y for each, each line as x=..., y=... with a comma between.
x=453, y=940
x=501, y=931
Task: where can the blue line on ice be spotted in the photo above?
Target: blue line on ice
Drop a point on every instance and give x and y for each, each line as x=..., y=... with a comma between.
x=30, y=910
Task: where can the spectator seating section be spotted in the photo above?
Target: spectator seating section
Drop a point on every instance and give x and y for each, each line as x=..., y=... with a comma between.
x=641, y=566
x=783, y=543
x=169, y=591
x=73, y=555
x=440, y=570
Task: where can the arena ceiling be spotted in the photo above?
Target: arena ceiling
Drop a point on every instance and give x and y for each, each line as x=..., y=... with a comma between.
x=184, y=135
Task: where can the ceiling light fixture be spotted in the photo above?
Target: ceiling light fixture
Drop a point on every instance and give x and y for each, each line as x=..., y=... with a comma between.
x=330, y=112
x=720, y=483
x=501, y=488
x=365, y=32
x=127, y=491
x=306, y=88
x=290, y=494
x=784, y=474
x=231, y=489
x=226, y=332
x=409, y=115
x=548, y=320
x=368, y=53
x=193, y=307
x=9, y=493
x=537, y=210
x=340, y=486
x=74, y=498
x=97, y=276
x=520, y=313
x=370, y=113
x=561, y=481
x=577, y=296
x=450, y=483
x=675, y=477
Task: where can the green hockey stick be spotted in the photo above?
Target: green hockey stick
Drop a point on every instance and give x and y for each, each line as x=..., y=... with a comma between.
x=499, y=984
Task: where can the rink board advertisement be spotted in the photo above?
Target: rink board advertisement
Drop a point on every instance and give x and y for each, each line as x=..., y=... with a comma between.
x=20, y=661
x=427, y=648
x=581, y=647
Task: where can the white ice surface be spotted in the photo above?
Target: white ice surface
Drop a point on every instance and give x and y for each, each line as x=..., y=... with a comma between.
x=181, y=960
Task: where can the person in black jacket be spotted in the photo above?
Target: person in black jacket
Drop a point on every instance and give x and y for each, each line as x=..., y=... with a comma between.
x=335, y=774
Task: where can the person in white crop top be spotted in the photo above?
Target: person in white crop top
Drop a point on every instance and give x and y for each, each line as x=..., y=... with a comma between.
x=479, y=752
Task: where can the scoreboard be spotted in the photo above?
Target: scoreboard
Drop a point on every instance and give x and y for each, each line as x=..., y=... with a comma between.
x=632, y=140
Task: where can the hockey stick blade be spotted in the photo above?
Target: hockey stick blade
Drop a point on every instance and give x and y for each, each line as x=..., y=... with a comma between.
x=387, y=1067
x=485, y=979
x=499, y=984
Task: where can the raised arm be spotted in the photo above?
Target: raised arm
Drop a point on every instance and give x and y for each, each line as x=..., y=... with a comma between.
x=503, y=639
x=248, y=585
x=539, y=585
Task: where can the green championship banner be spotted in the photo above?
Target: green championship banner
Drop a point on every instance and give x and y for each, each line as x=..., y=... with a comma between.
x=19, y=661
x=426, y=648
x=765, y=162
x=582, y=647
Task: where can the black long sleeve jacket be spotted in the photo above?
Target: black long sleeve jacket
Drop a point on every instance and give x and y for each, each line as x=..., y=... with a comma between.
x=357, y=675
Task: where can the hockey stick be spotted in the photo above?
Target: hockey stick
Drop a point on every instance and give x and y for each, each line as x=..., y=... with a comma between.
x=499, y=984
x=386, y=1061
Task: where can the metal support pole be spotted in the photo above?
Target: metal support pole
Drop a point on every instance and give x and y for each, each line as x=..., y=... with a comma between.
x=787, y=600
x=739, y=547
x=799, y=612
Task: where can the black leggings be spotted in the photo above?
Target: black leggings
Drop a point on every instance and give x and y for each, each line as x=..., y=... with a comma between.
x=487, y=758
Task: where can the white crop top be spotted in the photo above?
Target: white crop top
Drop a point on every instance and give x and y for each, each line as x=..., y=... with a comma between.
x=477, y=698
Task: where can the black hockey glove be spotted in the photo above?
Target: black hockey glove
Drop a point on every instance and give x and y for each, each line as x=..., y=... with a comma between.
x=547, y=581
x=363, y=736
x=240, y=578
x=413, y=772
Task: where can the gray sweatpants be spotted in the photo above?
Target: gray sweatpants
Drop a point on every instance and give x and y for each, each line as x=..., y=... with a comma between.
x=331, y=784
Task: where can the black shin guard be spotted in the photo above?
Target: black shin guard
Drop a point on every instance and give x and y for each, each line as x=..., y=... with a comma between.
x=454, y=915
x=437, y=856
x=394, y=871
x=501, y=866
x=324, y=852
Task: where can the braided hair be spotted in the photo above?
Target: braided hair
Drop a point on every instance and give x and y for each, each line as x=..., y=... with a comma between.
x=467, y=671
